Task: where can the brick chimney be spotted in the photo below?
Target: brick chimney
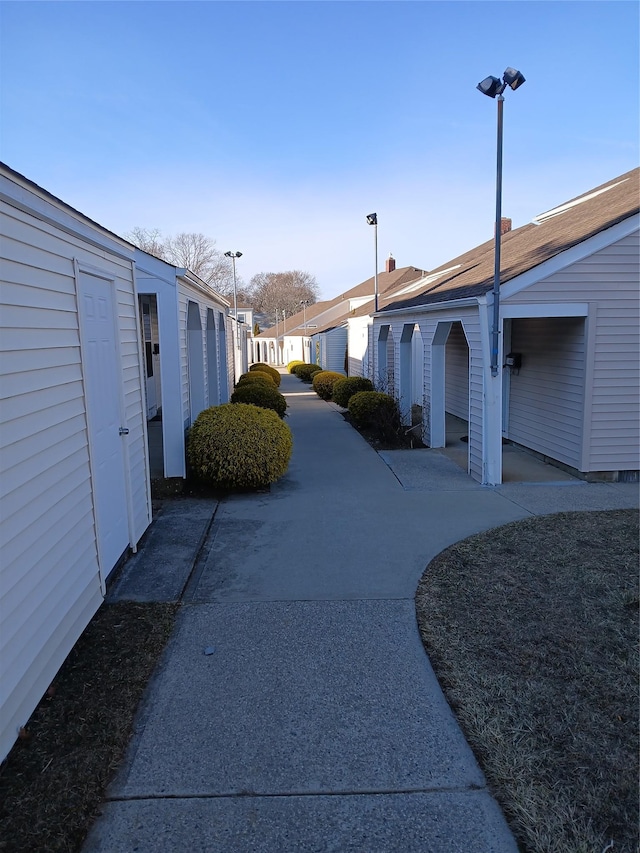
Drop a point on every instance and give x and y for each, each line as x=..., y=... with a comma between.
x=505, y=226
x=390, y=265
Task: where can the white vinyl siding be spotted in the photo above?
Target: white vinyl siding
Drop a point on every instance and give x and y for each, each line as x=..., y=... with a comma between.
x=188, y=294
x=49, y=575
x=334, y=346
x=477, y=422
x=547, y=395
x=457, y=373
x=608, y=281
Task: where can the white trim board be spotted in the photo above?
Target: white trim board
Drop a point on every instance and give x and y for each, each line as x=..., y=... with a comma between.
x=547, y=309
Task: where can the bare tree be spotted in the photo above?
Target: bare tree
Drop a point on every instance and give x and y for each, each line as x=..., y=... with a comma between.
x=192, y=251
x=269, y=291
x=149, y=240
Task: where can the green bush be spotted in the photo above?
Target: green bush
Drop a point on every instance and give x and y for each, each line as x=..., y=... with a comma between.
x=239, y=446
x=306, y=372
x=292, y=364
x=377, y=411
x=266, y=368
x=323, y=382
x=345, y=388
x=257, y=376
x=260, y=395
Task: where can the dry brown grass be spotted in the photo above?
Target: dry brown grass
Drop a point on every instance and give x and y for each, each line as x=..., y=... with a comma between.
x=53, y=781
x=532, y=629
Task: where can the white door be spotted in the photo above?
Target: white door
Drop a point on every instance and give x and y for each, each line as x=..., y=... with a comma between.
x=101, y=368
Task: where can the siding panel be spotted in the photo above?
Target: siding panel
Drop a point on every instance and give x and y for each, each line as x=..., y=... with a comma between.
x=50, y=583
x=457, y=373
x=608, y=281
x=547, y=395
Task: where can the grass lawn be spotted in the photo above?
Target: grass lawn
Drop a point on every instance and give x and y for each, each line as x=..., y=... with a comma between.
x=532, y=629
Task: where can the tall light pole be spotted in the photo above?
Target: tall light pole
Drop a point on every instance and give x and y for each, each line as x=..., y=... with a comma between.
x=233, y=256
x=372, y=219
x=492, y=87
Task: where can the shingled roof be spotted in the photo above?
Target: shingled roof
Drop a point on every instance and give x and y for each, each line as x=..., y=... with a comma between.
x=549, y=234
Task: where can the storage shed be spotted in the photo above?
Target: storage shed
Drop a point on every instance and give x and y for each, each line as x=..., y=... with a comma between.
x=568, y=381
x=74, y=468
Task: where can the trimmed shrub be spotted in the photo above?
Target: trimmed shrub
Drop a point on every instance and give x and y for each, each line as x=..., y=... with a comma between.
x=306, y=372
x=260, y=395
x=323, y=382
x=345, y=388
x=257, y=376
x=377, y=411
x=239, y=446
x=266, y=368
x=292, y=364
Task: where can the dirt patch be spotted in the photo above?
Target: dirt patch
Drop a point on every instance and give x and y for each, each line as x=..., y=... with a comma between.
x=532, y=629
x=53, y=781
x=400, y=439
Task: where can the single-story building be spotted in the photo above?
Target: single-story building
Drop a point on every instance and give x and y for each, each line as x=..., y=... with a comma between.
x=73, y=445
x=567, y=385
x=189, y=355
x=317, y=334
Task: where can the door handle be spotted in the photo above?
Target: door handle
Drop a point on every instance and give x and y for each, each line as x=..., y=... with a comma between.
x=123, y=431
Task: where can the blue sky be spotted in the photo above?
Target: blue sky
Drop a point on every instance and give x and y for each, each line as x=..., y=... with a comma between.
x=275, y=127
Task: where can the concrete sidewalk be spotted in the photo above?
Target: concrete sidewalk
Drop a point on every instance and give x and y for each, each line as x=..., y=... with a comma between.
x=314, y=721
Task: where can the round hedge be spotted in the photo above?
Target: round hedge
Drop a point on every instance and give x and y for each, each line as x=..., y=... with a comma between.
x=293, y=364
x=261, y=395
x=259, y=375
x=345, y=388
x=266, y=368
x=306, y=372
x=368, y=407
x=323, y=382
x=238, y=446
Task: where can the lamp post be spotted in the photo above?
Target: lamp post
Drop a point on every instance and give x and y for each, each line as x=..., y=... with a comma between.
x=492, y=87
x=233, y=256
x=372, y=219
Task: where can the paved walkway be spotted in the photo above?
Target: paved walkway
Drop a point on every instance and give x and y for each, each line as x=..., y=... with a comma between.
x=295, y=708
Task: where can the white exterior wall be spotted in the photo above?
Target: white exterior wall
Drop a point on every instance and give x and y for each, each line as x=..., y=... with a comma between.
x=51, y=582
x=186, y=294
x=457, y=373
x=546, y=397
x=333, y=347
x=604, y=287
x=358, y=343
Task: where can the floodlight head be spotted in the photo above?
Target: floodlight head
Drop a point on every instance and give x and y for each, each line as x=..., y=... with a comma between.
x=513, y=78
x=491, y=86
x=372, y=219
x=233, y=254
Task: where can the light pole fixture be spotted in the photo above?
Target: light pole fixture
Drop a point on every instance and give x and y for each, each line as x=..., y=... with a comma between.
x=494, y=87
x=372, y=219
x=233, y=256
